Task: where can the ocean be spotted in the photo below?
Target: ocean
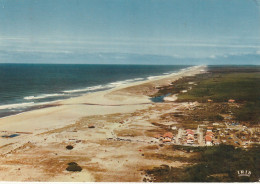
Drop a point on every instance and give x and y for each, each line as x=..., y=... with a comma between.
x=28, y=86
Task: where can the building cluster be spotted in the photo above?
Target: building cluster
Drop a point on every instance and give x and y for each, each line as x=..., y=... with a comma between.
x=209, y=134
x=209, y=137
x=190, y=136
x=231, y=133
x=166, y=137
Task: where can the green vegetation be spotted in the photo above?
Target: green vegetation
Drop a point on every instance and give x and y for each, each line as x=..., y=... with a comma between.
x=206, y=112
x=250, y=112
x=216, y=164
x=221, y=84
x=243, y=87
x=175, y=87
x=189, y=148
x=69, y=147
x=74, y=167
x=171, y=158
x=191, y=118
x=225, y=159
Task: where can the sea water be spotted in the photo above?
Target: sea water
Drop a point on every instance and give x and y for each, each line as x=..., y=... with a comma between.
x=25, y=86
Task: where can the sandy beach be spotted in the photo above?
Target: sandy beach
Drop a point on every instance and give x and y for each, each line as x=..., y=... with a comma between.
x=110, y=131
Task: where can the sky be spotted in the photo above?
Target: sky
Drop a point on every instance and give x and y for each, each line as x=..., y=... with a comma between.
x=130, y=31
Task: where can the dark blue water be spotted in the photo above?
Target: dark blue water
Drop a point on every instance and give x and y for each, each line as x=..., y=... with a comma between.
x=24, y=86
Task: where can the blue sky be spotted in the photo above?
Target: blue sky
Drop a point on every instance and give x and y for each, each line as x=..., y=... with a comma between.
x=130, y=31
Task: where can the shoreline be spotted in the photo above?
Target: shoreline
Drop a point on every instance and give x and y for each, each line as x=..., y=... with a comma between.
x=31, y=101
x=60, y=101
x=36, y=124
x=101, y=97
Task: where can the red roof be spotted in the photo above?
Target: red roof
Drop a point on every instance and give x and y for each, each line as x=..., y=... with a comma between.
x=189, y=131
x=208, y=133
x=231, y=100
x=208, y=138
x=168, y=134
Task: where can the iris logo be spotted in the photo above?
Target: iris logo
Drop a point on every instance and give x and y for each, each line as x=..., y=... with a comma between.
x=244, y=173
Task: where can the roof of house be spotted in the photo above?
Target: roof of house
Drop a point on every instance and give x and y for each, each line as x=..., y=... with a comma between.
x=231, y=100
x=209, y=133
x=168, y=134
x=208, y=138
x=189, y=131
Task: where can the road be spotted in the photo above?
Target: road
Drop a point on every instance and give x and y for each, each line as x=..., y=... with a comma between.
x=180, y=132
x=200, y=136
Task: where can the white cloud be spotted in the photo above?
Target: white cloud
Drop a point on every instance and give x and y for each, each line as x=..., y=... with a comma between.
x=173, y=48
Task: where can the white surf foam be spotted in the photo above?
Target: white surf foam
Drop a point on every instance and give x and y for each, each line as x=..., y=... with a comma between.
x=153, y=77
x=43, y=96
x=85, y=89
x=25, y=105
x=15, y=106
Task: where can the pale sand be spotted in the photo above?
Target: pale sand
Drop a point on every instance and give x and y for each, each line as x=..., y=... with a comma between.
x=125, y=99
x=72, y=109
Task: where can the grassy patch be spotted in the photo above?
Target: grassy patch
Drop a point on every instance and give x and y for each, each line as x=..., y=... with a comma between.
x=243, y=87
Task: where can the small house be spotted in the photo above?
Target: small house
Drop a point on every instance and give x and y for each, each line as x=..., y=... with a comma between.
x=209, y=100
x=168, y=135
x=167, y=139
x=231, y=101
x=208, y=140
x=189, y=131
x=210, y=134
